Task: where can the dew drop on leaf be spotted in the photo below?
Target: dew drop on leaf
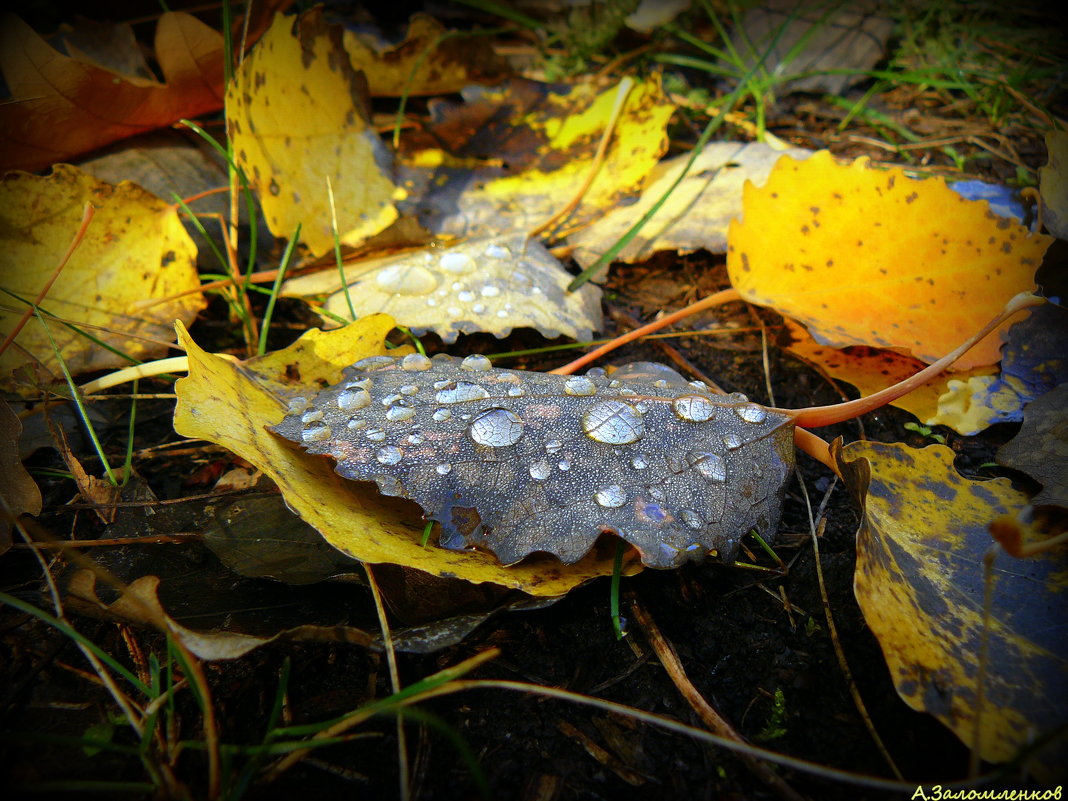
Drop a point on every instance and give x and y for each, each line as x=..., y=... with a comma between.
x=441, y=415
x=497, y=428
x=409, y=389
x=457, y=263
x=373, y=363
x=613, y=422
x=390, y=454
x=710, y=465
x=564, y=464
x=398, y=414
x=751, y=413
x=694, y=408
x=732, y=441
x=416, y=363
x=540, y=470
x=313, y=416
x=443, y=469
x=406, y=279
x=495, y=251
x=460, y=392
x=298, y=405
x=318, y=434
x=580, y=386
x=351, y=400
x=639, y=462
x=376, y=434
x=612, y=496
x=553, y=445
x=691, y=518
x=476, y=362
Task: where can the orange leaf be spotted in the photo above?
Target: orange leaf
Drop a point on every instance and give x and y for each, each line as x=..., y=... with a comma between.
x=62, y=106
x=873, y=257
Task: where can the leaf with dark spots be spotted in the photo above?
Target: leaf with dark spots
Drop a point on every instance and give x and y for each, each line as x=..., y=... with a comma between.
x=517, y=462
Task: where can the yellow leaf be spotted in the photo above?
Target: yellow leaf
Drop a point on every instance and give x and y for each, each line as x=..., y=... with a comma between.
x=230, y=404
x=920, y=584
x=135, y=249
x=542, y=140
x=428, y=62
x=872, y=257
x=298, y=120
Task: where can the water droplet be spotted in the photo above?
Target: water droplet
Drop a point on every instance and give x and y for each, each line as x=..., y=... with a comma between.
x=751, y=413
x=355, y=424
x=613, y=422
x=504, y=377
x=490, y=291
x=406, y=279
x=477, y=363
x=441, y=415
x=579, y=385
x=298, y=405
x=656, y=494
x=611, y=496
x=553, y=446
x=540, y=470
x=615, y=383
x=454, y=311
x=390, y=485
x=461, y=391
x=694, y=408
x=735, y=397
x=639, y=462
x=456, y=286
x=373, y=363
x=416, y=438
x=660, y=383
x=443, y=469
x=495, y=251
x=363, y=383
x=691, y=519
x=389, y=400
x=409, y=389
x=479, y=308
x=457, y=263
x=627, y=391
x=317, y=434
x=312, y=416
x=675, y=462
x=398, y=414
x=390, y=454
x=497, y=428
x=732, y=441
x=431, y=302
x=416, y=363
x=710, y=465
x=375, y=434
x=502, y=313
x=596, y=372
x=516, y=392
x=441, y=384
x=700, y=386
x=351, y=400
x=466, y=296
x=564, y=464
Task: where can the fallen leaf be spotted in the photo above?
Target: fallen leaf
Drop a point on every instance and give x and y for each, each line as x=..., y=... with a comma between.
x=872, y=257
x=696, y=213
x=1040, y=449
x=63, y=106
x=519, y=462
x=135, y=249
x=299, y=125
x=429, y=61
x=517, y=153
x=491, y=285
x=19, y=492
x=231, y=403
x=920, y=584
x=1053, y=184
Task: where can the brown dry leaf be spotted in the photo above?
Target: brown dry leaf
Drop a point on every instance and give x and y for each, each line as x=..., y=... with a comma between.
x=920, y=583
x=873, y=257
x=429, y=61
x=696, y=213
x=231, y=404
x=517, y=153
x=135, y=249
x=1053, y=181
x=298, y=120
x=18, y=491
x=61, y=106
x=518, y=462
x=1040, y=449
x=491, y=285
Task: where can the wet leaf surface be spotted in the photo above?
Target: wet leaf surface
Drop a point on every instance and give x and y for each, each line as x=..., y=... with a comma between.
x=1040, y=449
x=920, y=583
x=516, y=462
x=494, y=285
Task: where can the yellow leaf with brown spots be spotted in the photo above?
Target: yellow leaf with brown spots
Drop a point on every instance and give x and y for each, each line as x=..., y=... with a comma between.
x=134, y=250
x=298, y=120
x=920, y=583
x=873, y=257
x=231, y=403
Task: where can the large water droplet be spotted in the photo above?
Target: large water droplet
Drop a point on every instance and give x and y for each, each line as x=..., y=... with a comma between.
x=497, y=428
x=553, y=446
x=390, y=485
x=351, y=400
x=363, y=383
x=613, y=422
x=375, y=434
x=355, y=424
x=441, y=415
x=461, y=391
x=675, y=462
x=540, y=470
x=443, y=469
x=694, y=408
x=416, y=438
x=373, y=363
x=476, y=362
x=732, y=441
x=564, y=464
x=317, y=434
x=611, y=496
x=495, y=251
x=398, y=414
x=466, y=296
x=490, y=291
x=751, y=413
x=298, y=405
x=416, y=363
x=390, y=399
x=406, y=279
x=579, y=385
x=516, y=392
x=691, y=518
x=409, y=389
x=457, y=263
x=312, y=416
x=390, y=454
x=710, y=465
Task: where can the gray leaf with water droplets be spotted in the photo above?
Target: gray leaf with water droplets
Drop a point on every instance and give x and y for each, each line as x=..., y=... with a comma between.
x=516, y=462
